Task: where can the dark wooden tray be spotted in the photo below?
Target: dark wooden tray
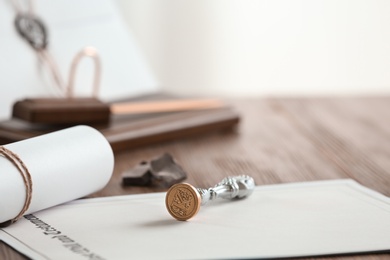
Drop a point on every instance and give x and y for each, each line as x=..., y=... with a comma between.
x=126, y=132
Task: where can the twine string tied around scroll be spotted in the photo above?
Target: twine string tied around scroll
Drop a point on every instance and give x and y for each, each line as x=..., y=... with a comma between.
x=26, y=176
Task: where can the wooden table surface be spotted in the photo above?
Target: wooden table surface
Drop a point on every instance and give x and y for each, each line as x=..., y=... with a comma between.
x=280, y=141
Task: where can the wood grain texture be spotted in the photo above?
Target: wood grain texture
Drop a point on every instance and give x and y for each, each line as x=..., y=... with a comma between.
x=280, y=141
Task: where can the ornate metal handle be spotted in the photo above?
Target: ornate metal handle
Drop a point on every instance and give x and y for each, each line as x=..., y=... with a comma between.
x=183, y=200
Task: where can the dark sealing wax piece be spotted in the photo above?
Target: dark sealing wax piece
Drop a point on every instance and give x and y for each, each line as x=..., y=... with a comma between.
x=138, y=176
x=161, y=171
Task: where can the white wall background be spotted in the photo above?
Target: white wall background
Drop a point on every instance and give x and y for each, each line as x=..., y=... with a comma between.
x=268, y=47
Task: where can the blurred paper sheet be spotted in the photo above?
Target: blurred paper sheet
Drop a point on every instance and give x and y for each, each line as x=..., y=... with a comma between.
x=71, y=26
x=288, y=220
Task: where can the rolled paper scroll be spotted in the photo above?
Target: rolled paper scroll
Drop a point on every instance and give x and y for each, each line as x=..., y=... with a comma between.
x=63, y=166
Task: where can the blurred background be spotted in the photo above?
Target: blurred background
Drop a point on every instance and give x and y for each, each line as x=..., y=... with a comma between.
x=222, y=48
x=264, y=48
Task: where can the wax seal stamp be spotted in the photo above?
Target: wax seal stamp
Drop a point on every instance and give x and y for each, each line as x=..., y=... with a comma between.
x=183, y=200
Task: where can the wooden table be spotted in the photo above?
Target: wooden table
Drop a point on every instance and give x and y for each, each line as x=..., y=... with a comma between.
x=280, y=141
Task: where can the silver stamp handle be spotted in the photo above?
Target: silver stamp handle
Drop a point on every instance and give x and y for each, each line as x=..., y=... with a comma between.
x=235, y=187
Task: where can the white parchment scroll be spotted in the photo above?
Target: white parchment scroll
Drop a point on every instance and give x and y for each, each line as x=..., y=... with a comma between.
x=64, y=166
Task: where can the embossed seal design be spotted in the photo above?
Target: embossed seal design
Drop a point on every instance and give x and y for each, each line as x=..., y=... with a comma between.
x=182, y=201
x=32, y=29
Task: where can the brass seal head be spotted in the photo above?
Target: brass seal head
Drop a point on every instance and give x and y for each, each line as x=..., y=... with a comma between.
x=183, y=201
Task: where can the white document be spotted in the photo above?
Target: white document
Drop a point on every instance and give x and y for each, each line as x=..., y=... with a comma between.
x=64, y=165
x=304, y=219
x=71, y=26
